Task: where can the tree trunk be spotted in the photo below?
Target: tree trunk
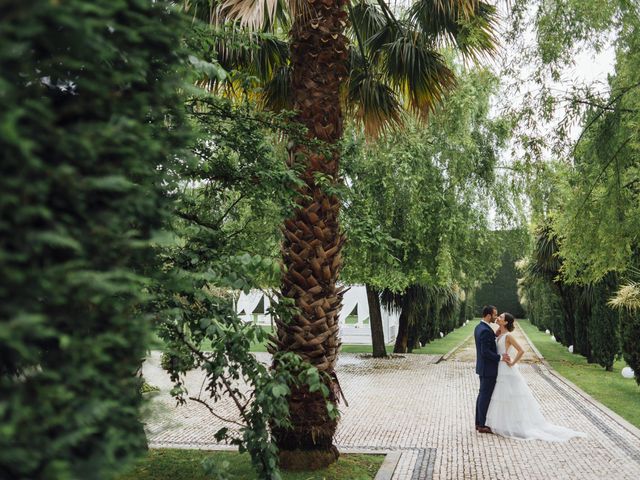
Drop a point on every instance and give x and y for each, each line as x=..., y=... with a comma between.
x=375, y=321
x=313, y=240
x=402, y=338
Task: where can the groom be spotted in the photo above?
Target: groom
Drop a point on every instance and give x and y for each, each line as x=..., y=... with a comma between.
x=487, y=360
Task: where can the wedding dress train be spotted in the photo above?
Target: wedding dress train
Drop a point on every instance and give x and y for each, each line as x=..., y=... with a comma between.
x=514, y=412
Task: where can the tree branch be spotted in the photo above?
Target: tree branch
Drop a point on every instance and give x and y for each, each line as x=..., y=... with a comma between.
x=202, y=402
x=196, y=219
x=609, y=162
x=599, y=114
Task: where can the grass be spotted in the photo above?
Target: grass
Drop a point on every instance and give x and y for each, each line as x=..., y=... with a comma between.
x=171, y=464
x=441, y=346
x=622, y=395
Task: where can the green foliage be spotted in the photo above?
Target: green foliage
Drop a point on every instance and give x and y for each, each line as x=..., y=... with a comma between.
x=604, y=325
x=416, y=209
x=90, y=123
x=588, y=198
x=539, y=299
x=148, y=388
x=501, y=291
x=630, y=333
x=416, y=205
x=234, y=192
x=584, y=302
x=596, y=176
x=576, y=315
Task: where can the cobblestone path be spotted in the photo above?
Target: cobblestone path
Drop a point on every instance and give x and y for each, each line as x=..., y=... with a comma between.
x=425, y=409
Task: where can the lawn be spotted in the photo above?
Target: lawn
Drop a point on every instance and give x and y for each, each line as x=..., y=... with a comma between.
x=441, y=346
x=172, y=464
x=622, y=395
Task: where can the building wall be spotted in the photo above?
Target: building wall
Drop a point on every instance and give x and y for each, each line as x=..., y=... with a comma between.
x=253, y=308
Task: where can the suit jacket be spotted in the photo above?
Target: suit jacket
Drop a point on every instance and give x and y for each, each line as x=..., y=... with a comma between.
x=487, y=358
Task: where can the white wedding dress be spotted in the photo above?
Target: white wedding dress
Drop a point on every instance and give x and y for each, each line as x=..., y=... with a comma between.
x=514, y=412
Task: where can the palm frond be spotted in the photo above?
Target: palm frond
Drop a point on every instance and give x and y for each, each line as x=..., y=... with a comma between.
x=627, y=297
x=277, y=91
x=264, y=15
x=370, y=100
x=257, y=54
x=546, y=262
x=466, y=7
x=252, y=14
x=272, y=54
x=417, y=70
x=469, y=25
x=441, y=17
x=367, y=18
x=476, y=36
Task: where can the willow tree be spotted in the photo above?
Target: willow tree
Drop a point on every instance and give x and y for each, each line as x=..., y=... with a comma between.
x=394, y=63
x=594, y=206
x=417, y=210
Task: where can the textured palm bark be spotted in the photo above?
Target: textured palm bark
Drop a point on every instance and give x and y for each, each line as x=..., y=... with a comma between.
x=313, y=240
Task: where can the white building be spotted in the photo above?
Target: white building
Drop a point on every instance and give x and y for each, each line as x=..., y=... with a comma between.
x=354, y=316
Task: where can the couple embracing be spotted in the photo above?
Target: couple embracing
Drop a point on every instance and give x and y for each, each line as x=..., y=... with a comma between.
x=505, y=405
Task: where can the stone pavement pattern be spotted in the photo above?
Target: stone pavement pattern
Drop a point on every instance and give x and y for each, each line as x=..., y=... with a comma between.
x=467, y=351
x=425, y=409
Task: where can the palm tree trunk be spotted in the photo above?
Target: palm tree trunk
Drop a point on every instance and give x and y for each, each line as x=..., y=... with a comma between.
x=313, y=239
x=375, y=321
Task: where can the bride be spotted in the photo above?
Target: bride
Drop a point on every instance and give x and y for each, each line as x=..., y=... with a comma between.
x=514, y=411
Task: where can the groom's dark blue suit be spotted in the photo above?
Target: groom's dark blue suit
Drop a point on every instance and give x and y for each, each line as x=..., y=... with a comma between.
x=487, y=360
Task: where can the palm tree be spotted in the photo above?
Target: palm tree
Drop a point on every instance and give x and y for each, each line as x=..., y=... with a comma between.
x=358, y=57
x=547, y=265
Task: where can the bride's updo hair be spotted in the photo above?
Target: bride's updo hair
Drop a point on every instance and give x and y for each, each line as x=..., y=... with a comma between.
x=509, y=319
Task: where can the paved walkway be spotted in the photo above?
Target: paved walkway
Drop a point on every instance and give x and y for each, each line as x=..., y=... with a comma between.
x=467, y=351
x=425, y=410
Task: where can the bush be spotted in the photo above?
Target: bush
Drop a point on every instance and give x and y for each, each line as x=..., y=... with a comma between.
x=604, y=325
x=584, y=300
x=86, y=94
x=630, y=328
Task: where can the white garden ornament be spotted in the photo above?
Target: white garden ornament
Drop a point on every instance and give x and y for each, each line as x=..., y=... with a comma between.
x=570, y=348
x=553, y=338
x=547, y=331
x=627, y=372
x=441, y=334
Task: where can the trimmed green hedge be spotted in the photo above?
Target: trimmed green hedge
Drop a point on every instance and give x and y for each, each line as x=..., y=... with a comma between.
x=502, y=291
x=87, y=93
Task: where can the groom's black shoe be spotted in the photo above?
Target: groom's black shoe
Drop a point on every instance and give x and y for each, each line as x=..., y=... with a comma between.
x=484, y=430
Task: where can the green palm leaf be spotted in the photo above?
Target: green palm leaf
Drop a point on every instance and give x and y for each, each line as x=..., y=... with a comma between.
x=277, y=91
x=417, y=70
x=369, y=99
x=468, y=25
x=367, y=18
